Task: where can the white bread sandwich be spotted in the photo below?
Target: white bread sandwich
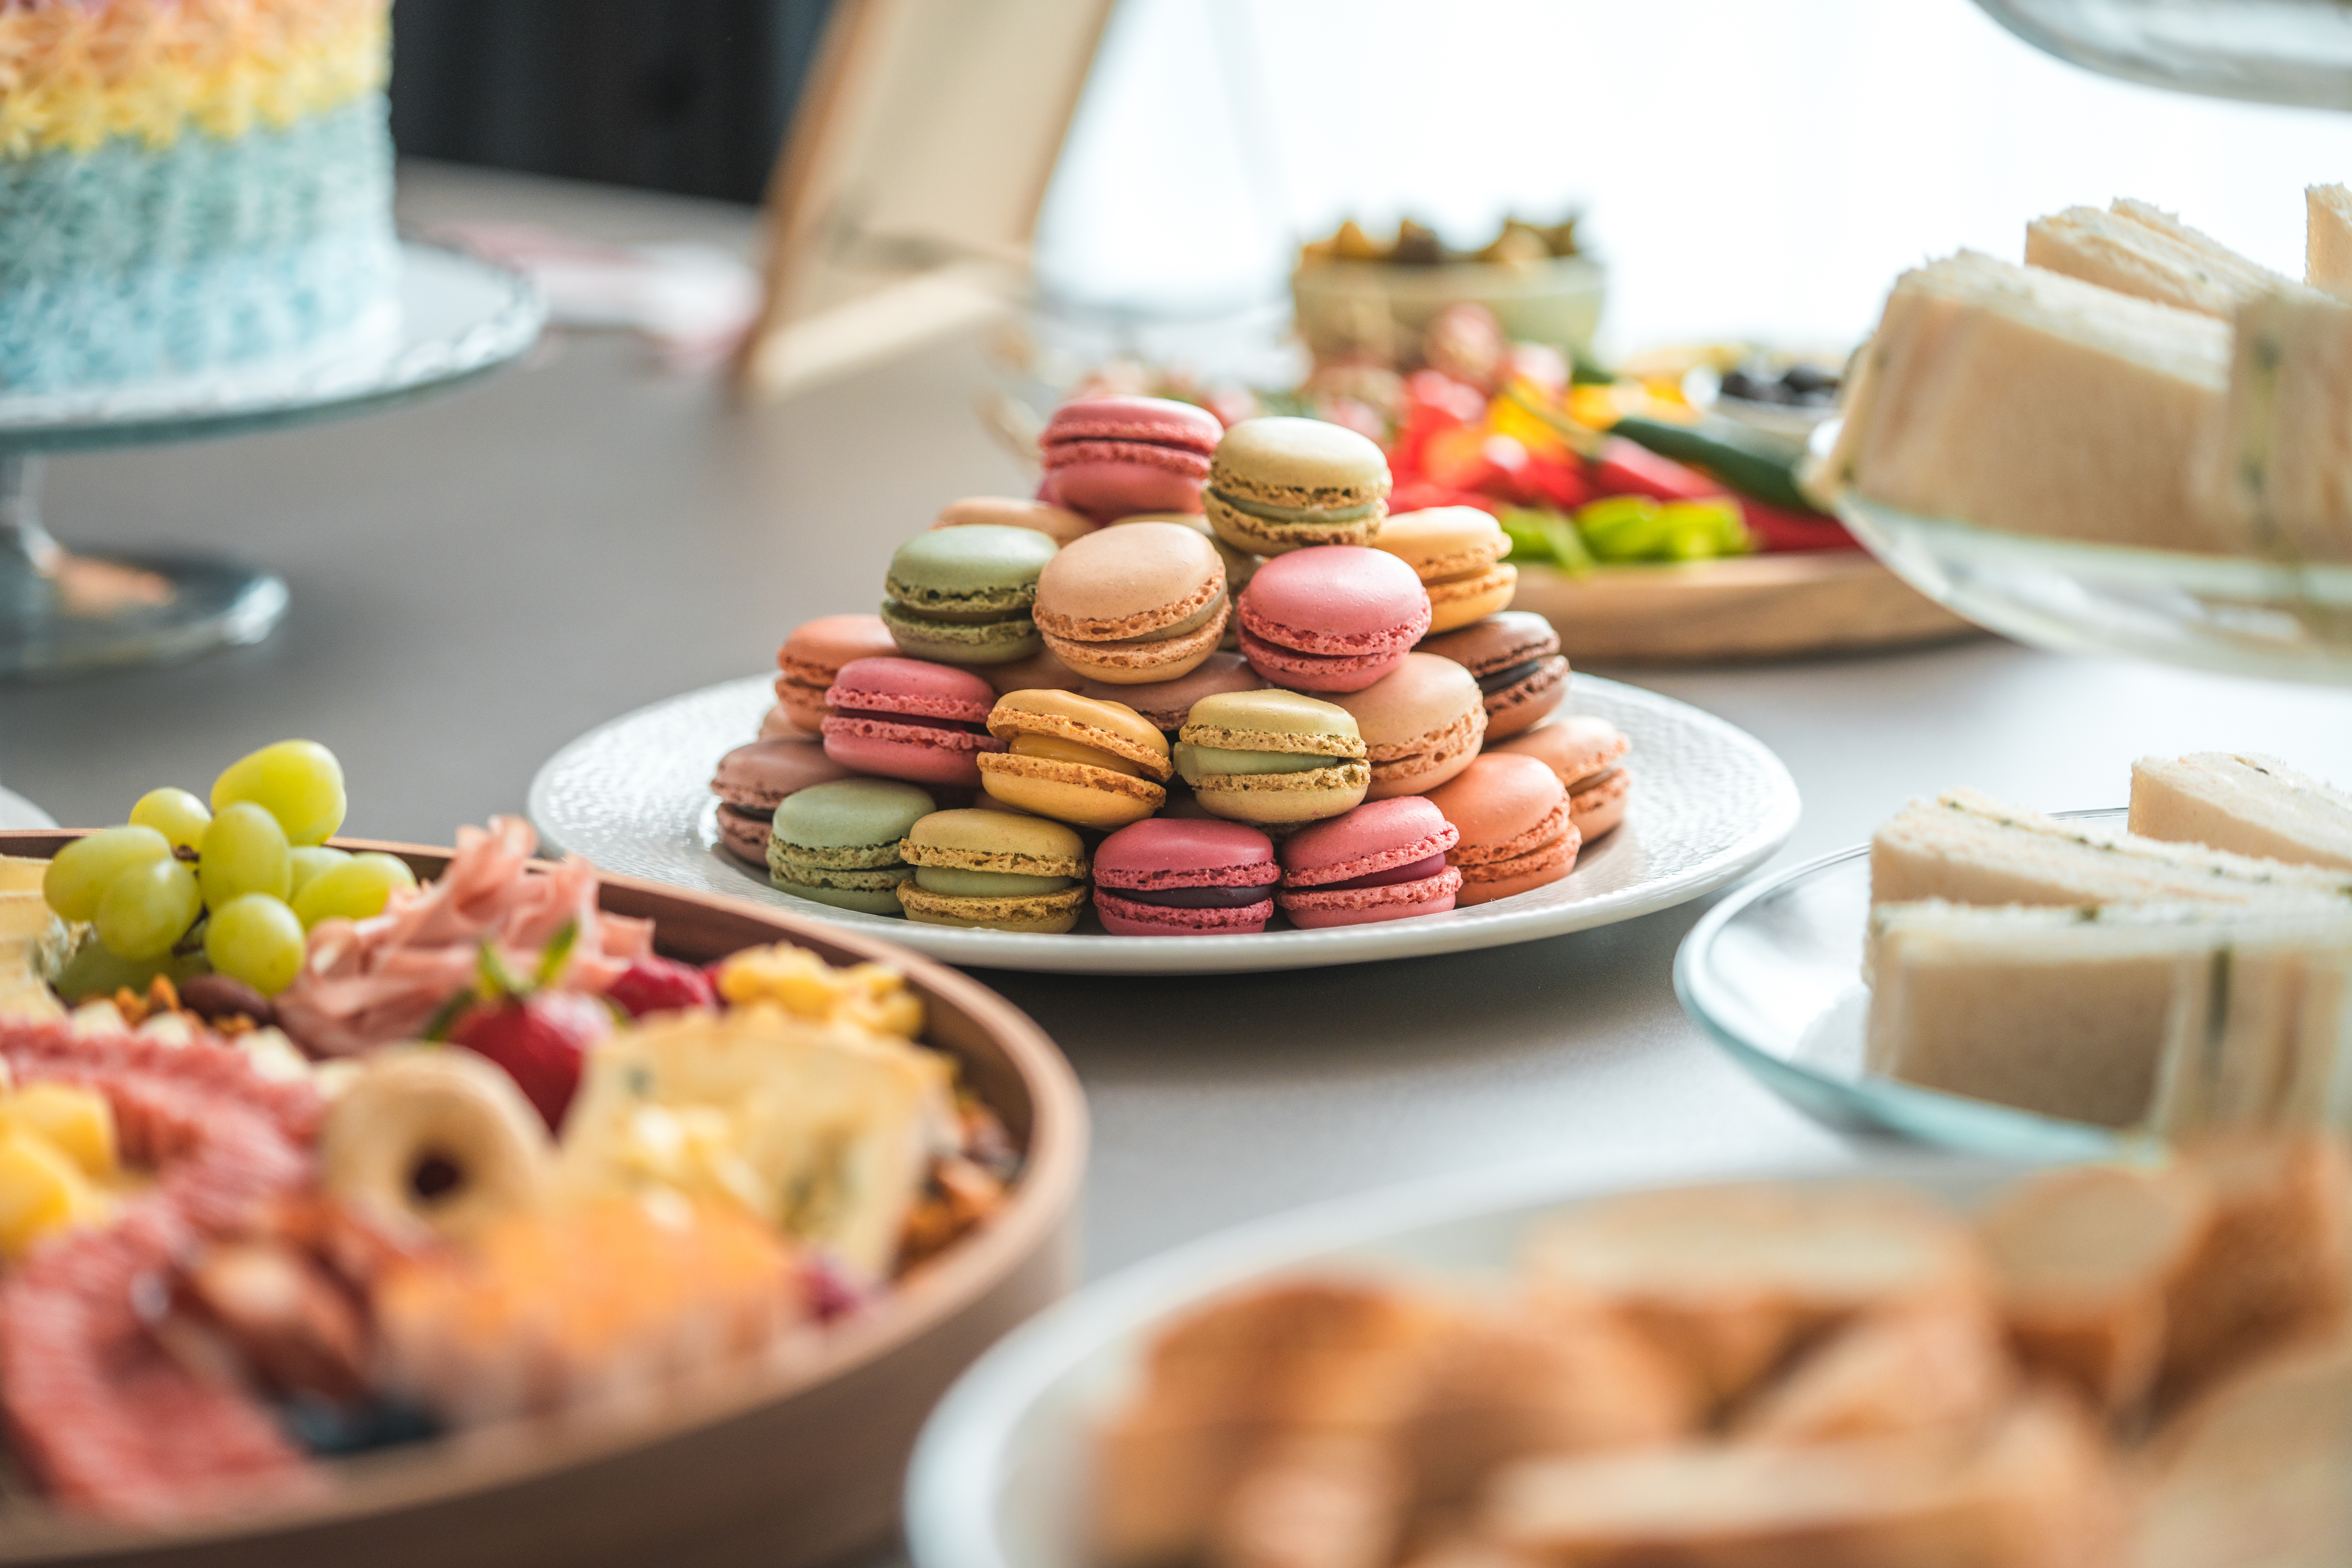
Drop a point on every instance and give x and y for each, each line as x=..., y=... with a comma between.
x=1971, y=849
x=2140, y=250
x=2245, y=803
x=2327, y=239
x=2276, y=467
x=2172, y=1017
x=2014, y=398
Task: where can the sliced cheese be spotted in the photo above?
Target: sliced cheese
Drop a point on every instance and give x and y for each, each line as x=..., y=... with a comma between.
x=20, y=875
x=2327, y=239
x=825, y=1131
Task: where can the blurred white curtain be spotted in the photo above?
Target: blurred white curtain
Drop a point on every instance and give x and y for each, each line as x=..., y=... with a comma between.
x=1759, y=167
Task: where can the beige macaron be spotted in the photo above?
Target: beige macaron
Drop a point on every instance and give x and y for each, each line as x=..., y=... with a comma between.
x=1134, y=605
x=1422, y=722
x=1458, y=551
x=1006, y=511
x=1587, y=754
x=1280, y=484
x=1097, y=764
x=1272, y=756
x=1240, y=564
x=993, y=870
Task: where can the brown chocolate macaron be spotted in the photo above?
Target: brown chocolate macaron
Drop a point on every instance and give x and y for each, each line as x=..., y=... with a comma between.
x=1516, y=656
x=1587, y=754
x=752, y=781
x=1165, y=702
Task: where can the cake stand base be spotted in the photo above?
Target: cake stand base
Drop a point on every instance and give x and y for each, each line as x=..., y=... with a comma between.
x=63, y=613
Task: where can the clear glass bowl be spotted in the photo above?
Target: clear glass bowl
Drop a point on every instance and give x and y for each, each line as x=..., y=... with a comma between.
x=2265, y=51
x=1773, y=974
x=2233, y=614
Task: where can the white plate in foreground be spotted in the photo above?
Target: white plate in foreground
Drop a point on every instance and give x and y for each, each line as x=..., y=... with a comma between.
x=1709, y=805
x=1000, y=1475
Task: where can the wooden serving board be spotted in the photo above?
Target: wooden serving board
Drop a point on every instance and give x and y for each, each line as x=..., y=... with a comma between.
x=778, y=1467
x=1753, y=606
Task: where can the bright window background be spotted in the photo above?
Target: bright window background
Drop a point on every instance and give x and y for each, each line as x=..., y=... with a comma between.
x=1748, y=167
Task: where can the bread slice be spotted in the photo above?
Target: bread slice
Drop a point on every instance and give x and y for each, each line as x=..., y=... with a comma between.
x=2274, y=1266
x=2257, y=1471
x=2276, y=467
x=2083, y=1261
x=2327, y=239
x=2037, y=1491
x=2245, y=803
x=1972, y=849
x=2167, y=1016
x=1318, y=1502
x=2015, y=398
x=1325, y=1359
x=2142, y=251
x=1533, y=1378
x=1886, y=1372
x=1729, y=1279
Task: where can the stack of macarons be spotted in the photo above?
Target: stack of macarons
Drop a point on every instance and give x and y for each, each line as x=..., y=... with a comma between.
x=1204, y=670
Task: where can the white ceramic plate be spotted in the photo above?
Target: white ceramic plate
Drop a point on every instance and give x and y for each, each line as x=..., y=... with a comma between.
x=999, y=1478
x=1709, y=803
x=16, y=811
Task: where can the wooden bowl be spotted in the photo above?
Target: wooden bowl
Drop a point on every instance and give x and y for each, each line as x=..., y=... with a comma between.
x=782, y=1470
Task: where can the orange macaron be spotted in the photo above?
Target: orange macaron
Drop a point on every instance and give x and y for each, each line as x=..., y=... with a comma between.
x=1512, y=814
x=1587, y=754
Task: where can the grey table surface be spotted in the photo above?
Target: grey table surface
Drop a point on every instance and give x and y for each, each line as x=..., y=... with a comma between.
x=479, y=579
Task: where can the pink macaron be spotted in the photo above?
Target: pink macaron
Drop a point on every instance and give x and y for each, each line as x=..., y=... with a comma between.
x=903, y=719
x=1333, y=617
x=1185, y=877
x=1108, y=458
x=1385, y=860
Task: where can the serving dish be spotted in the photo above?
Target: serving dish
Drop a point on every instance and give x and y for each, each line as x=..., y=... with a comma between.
x=999, y=1475
x=1748, y=606
x=1710, y=804
x=1773, y=974
x=2233, y=613
x=789, y=1469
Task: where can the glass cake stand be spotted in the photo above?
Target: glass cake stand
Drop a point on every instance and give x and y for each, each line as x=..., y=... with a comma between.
x=2264, y=51
x=454, y=320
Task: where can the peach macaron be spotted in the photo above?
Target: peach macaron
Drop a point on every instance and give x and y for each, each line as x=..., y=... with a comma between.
x=1512, y=814
x=1422, y=723
x=1134, y=606
x=1587, y=754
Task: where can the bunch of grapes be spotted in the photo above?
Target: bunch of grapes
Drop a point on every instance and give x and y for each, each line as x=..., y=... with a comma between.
x=235, y=885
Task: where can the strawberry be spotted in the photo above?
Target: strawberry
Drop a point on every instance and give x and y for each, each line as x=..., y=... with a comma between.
x=539, y=1035
x=542, y=1041
x=660, y=985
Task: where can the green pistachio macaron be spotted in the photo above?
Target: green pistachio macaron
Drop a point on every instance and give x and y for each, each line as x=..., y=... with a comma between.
x=1281, y=484
x=1272, y=756
x=995, y=869
x=963, y=595
x=838, y=843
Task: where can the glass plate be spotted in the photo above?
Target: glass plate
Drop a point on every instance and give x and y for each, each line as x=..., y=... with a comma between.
x=1710, y=803
x=1773, y=974
x=2233, y=614
x=2266, y=51
x=453, y=318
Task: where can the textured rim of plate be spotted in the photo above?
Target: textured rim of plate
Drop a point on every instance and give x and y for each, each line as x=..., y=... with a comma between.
x=1929, y=1116
x=632, y=796
x=458, y=317
x=955, y=1480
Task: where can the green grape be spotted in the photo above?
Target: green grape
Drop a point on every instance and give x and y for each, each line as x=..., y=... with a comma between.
x=92, y=970
x=78, y=876
x=174, y=813
x=244, y=852
x=148, y=908
x=312, y=859
x=256, y=939
x=355, y=889
x=297, y=782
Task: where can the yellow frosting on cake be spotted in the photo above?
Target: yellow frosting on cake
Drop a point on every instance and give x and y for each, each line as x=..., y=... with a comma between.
x=71, y=76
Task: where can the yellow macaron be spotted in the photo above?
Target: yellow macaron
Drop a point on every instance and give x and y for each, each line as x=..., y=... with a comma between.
x=1076, y=759
x=1457, y=552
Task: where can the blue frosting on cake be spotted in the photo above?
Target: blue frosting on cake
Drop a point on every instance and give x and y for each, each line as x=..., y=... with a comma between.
x=131, y=261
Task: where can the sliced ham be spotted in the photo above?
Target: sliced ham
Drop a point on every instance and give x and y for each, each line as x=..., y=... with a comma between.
x=371, y=981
